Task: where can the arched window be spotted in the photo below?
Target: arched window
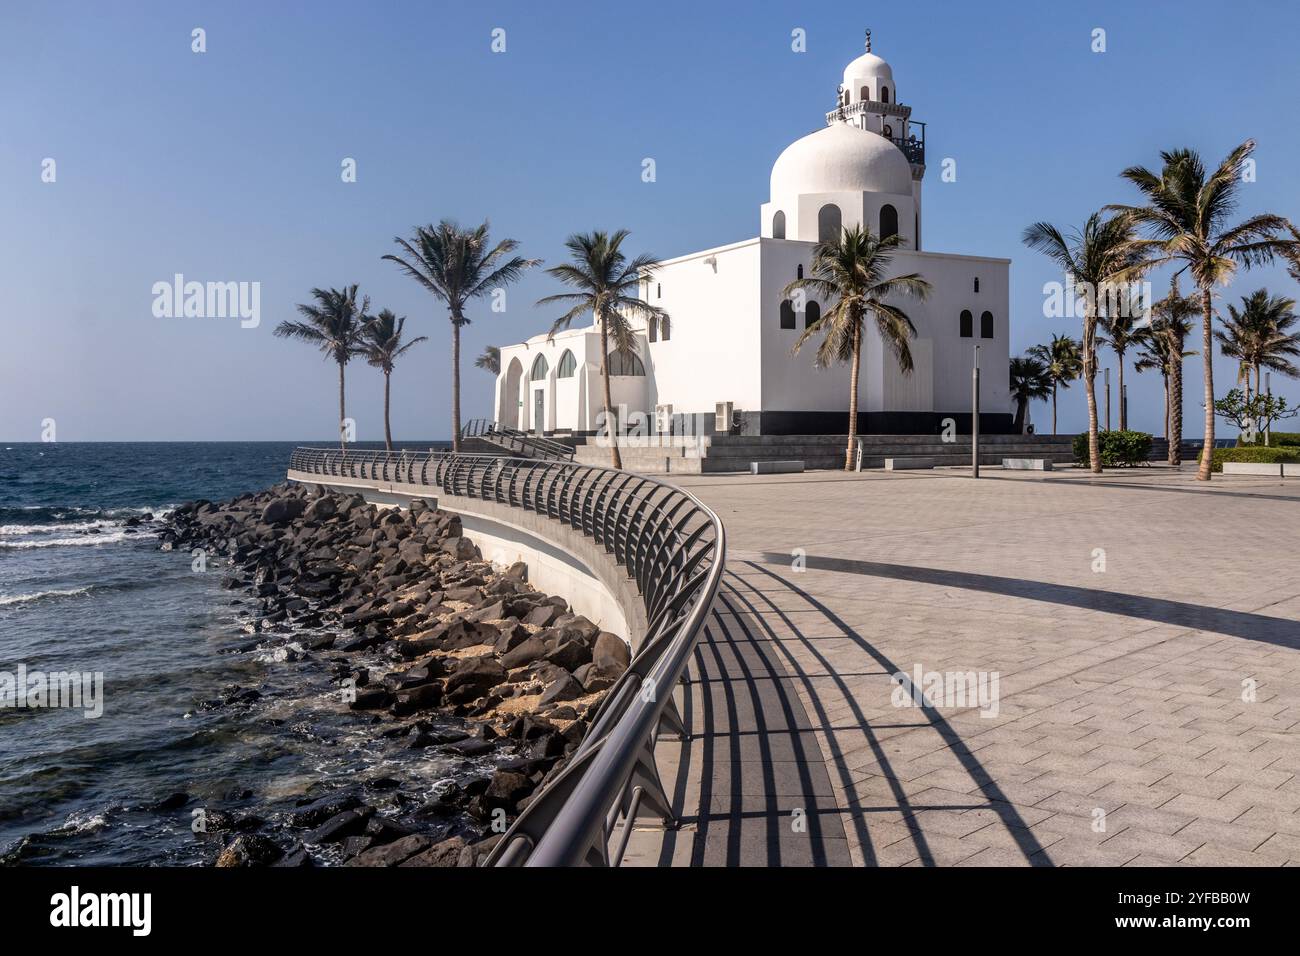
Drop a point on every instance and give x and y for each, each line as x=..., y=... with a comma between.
x=967, y=324
x=884, y=94
x=787, y=314
x=986, y=325
x=888, y=221
x=866, y=94
x=652, y=329
x=659, y=290
x=812, y=314
x=539, y=369
x=568, y=365
x=977, y=283
x=778, y=225
x=828, y=223
x=889, y=131
x=665, y=326
x=621, y=364
x=799, y=271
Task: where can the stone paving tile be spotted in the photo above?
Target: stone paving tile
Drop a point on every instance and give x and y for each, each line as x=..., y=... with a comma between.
x=1108, y=697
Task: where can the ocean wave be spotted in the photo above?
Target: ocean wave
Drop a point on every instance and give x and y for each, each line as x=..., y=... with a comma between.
x=16, y=530
x=29, y=516
x=7, y=599
x=110, y=538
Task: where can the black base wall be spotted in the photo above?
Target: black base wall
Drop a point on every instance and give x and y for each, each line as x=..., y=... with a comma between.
x=871, y=423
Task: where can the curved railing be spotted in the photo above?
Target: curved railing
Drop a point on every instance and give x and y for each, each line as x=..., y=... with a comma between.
x=524, y=444
x=673, y=547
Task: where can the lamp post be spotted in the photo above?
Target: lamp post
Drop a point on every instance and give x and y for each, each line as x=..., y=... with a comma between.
x=1107, y=370
x=1268, y=390
x=975, y=416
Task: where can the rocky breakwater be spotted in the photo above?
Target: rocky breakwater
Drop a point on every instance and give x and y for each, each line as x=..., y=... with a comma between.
x=435, y=646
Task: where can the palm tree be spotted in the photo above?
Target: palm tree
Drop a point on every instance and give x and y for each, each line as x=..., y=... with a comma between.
x=607, y=282
x=1172, y=323
x=1260, y=336
x=1123, y=330
x=1159, y=343
x=490, y=360
x=1063, y=358
x=1186, y=220
x=1029, y=380
x=850, y=271
x=334, y=325
x=1098, y=259
x=457, y=266
x=381, y=345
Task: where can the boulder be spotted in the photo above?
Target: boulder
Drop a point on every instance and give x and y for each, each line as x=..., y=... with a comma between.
x=283, y=510
x=570, y=654
x=525, y=652
x=393, y=854
x=564, y=687
x=249, y=850
x=480, y=673
x=447, y=854
x=320, y=509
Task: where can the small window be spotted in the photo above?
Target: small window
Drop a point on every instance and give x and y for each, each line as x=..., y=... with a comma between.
x=828, y=223
x=967, y=324
x=884, y=94
x=659, y=290
x=866, y=94
x=986, y=325
x=665, y=327
x=568, y=365
x=889, y=131
x=977, y=283
x=787, y=315
x=652, y=329
x=778, y=225
x=539, y=369
x=621, y=364
x=888, y=221
x=812, y=314
x=799, y=271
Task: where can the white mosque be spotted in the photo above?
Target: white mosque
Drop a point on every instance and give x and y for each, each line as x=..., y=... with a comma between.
x=726, y=358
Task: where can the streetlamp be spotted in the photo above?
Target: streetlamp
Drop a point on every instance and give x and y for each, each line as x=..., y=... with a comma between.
x=1107, y=370
x=975, y=416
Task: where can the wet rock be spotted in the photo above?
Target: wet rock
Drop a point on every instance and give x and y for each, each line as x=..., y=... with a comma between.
x=172, y=802
x=318, y=811
x=340, y=826
x=393, y=854
x=249, y=850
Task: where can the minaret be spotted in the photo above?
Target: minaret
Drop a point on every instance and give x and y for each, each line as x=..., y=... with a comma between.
x=868, y=100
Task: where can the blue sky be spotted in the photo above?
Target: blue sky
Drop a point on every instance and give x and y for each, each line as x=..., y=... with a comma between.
x=226, y=166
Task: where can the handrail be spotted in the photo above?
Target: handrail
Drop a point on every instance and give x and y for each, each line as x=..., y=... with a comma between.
x=522, y=443
x=673, y=547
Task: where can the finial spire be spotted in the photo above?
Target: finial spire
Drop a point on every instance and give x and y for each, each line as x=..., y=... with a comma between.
x=868, y=40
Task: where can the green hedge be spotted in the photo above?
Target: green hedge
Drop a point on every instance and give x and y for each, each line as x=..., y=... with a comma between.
x=1278, y=438
x=1117, y=448
x=1258, y=454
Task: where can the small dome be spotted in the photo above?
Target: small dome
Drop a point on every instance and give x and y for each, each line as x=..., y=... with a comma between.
x=841, y=158
x=867, y=67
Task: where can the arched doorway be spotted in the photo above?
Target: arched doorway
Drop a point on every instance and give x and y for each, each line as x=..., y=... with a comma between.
x=508, y=412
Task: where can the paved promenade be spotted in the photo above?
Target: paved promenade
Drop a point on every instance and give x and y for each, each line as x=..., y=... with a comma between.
x=1143, y=630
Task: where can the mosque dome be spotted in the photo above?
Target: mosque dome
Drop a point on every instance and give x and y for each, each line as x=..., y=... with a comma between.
x=841, y=158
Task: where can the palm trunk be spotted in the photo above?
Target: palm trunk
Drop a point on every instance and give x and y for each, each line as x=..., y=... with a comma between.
x=388, y=432
x=611, y=420
x=853, y=396
x=1019, y=424
x=1207, y=355
x=343, y=415
x=455, y=383
x=1053, y=407
x=1090, y=387
x=1166, y=378
x=1176, y=407
x=1259, y=392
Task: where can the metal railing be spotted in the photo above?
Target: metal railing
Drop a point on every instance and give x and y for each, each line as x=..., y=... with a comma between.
x=513, y=440
x=672, y=546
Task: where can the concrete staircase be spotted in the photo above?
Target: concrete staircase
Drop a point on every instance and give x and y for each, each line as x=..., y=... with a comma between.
x=731, y=453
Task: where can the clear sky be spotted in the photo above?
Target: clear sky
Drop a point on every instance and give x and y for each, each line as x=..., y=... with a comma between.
x=225, y=166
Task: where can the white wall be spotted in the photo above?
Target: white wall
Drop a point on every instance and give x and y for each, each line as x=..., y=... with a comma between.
x=714, y=352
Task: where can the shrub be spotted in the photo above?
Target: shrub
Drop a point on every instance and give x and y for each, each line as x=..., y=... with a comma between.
x=1254, y=453
x=1278, y=439
x=1118, y=449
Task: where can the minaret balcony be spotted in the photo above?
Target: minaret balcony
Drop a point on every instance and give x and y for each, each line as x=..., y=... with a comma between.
x=867, y=106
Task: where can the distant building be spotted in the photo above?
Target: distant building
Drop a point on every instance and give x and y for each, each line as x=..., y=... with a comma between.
x=728, y=357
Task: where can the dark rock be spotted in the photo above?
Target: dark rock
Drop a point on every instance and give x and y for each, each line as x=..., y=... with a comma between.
x=340, y=826
x=393, y=854
x=562, y=688
x=446, y=853
x=525, y=652
x=173, y=802
x=318, y=811
x=249, y=850
x=477, y=672
x=283, y=510
x=570, y=655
